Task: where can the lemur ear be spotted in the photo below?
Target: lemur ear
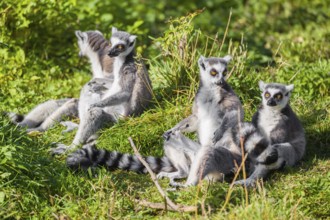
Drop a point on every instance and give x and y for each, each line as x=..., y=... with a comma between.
x=132, y=38
x=79, y=35
x=227, y=58
x=114, y=30
x=262, y=85
x=289, y=88
x=201, y=62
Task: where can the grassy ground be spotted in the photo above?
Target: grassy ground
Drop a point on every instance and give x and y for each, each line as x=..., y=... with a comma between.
x=35, y=185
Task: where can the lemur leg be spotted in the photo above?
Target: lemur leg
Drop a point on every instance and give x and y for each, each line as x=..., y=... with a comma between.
x=274, y=157
x=95, y=119
x=181, y=151
x=37, y=115
x=212, y=163
x=68, y=109
x=291, y=152
x=261, y=171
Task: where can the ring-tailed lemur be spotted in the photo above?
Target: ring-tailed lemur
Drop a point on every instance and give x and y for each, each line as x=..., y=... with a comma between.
x=277, y=122
x=215, y=116
x=129, y=94
x=92, y=45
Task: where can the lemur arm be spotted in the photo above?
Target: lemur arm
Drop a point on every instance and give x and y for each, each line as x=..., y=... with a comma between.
x=188, y=124
x=115, y=99
x=230, y=120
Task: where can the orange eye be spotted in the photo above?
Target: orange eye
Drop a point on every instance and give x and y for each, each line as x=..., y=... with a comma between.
x=267, y=95
x=213, y=72
x=120, y=47
x=279, y=96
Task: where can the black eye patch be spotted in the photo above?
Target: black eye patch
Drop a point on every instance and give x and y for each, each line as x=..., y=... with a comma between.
x=120, y=47
x=278, y=96
x=213, y=72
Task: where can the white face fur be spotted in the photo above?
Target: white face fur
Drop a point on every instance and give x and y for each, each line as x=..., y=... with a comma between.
x=122, y=43
x=213, y=70
x=274, y=95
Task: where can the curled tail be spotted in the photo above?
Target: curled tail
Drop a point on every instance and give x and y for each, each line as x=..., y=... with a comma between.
x=90, y=156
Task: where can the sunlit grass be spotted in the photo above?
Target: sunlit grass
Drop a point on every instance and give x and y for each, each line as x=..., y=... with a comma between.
x=33, y=184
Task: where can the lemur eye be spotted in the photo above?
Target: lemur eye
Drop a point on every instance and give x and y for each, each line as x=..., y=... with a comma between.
x=279, y=96
x=213, y=72
x=120, y=46
x=267, y=95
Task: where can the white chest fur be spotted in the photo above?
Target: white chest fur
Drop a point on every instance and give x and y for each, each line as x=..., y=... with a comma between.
x=268, y=120
x=115, y=88
x=208, y=123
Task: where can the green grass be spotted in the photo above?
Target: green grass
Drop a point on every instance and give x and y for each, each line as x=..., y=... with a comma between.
x=35, y=185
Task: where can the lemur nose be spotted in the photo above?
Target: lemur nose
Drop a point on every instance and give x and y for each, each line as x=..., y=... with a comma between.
x=271, y=102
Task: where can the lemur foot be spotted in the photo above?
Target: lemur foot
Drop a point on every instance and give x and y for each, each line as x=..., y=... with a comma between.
x=70, y=126
x=60, y=149
x=247, y=182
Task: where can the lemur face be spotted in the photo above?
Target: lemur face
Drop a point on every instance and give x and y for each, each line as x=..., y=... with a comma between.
x=275, y=95
x=122, y=43
x=213, y=70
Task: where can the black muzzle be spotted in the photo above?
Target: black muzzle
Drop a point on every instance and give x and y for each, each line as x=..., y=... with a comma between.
x=271, y=102
x=113, y=53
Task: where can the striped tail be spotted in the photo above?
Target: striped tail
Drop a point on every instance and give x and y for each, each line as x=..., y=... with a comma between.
x=90, y=156
x=14, y=117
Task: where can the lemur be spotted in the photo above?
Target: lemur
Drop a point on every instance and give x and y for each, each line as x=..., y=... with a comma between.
x=215, y=116
x=277, y=122
x=129, y=94
x=94, y=46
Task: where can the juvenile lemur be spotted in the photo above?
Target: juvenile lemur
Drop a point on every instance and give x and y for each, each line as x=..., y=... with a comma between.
x=215, y=116
x=129, y=93
x=94, y=46
x=280, y=126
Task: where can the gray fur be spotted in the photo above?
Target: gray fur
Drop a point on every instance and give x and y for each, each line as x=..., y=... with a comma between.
x=277, y=122
x=46, y=114
x=128, y=94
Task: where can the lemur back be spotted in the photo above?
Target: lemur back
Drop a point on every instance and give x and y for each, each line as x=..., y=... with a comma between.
x=280, y=126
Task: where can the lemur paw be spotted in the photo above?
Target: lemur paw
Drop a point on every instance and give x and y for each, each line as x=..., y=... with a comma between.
x=272, y=156
x=167, y=135
x=60, y=149
x=246, y=182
